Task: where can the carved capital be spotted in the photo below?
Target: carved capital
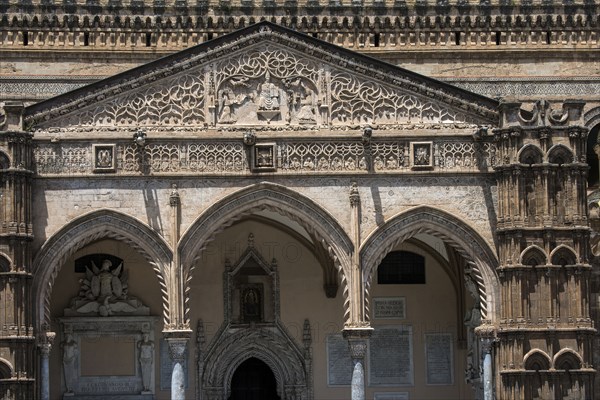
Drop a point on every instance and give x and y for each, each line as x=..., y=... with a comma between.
x=358, y=339
x=487, y=335
x=177, y=341
x=177, y=349
x=46, y=341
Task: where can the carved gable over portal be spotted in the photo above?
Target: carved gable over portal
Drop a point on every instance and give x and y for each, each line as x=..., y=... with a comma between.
x=263, y=76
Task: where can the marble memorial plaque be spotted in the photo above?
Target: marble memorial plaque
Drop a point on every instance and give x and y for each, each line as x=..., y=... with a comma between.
x=166, y=366
x=391, y=396
x=391, y=356
x=439, y=359
x=339, y=362
x=389, y=308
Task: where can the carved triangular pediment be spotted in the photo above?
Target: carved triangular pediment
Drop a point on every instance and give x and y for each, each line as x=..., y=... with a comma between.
x=264, y=76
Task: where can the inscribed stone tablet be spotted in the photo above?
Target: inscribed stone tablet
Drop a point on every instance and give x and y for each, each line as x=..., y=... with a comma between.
x=166, y=366
x=339, y=362
x=439, y=358
x=389, y=308
x=391, y=356
x=107, y=356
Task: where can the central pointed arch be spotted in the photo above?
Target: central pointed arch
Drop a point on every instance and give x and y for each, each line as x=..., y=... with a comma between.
x=269, y=345
x=101, y=224
x=453, y=231
x=266, y=196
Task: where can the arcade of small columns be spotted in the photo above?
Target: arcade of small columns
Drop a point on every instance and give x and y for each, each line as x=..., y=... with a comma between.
x=536, y=291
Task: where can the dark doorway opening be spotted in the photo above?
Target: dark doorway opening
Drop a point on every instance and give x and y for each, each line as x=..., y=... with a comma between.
x=253, y=380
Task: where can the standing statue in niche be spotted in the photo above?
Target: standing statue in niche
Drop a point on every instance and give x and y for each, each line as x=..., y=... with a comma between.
x=146, y=352
x=70, y=352
x=251, y=305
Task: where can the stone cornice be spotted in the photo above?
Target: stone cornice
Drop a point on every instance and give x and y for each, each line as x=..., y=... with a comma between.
x=223, y=15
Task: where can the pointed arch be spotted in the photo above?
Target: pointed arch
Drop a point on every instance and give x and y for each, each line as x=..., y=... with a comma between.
x=7, y=370
x=563, y=255
x=533, y=255
x=537, y=360
x=266, y=196
x=5, y=262
x=232, y=348
x=455, y=232
x=567, y=359
x=560, y=154
x=101, y=224
x=4, y=160
x=530, y=154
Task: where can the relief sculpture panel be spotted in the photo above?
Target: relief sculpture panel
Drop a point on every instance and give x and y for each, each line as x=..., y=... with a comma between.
x=265, y=86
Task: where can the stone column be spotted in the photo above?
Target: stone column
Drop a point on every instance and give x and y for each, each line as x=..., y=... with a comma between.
x=357, y=341
x=45, y=347
x=488, y=371
x=177, y=347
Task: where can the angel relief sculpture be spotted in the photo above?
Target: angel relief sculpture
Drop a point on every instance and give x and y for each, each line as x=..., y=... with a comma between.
x=104, y=282
x=104, y=291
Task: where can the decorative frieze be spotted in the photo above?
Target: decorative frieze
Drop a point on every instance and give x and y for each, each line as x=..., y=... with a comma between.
x=284, y=156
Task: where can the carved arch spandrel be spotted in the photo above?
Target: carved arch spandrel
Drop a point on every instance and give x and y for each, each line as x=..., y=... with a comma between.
x=455, y=232
x=101, y=224
x=266, y=196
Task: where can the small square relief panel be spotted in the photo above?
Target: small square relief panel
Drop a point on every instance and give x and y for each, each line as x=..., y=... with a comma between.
x=263, y=157
x=422, y=155
x=104, y=157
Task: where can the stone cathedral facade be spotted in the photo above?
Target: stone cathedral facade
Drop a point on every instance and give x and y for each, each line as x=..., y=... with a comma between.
x=373, y=200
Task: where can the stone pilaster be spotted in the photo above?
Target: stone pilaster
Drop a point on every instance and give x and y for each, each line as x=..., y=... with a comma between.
x=357, y=295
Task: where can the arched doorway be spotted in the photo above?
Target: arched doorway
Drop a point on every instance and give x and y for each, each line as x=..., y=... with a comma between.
x=253, y=380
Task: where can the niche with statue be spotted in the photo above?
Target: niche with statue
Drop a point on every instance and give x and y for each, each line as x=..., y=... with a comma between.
x=251, y=288
x=253, y=332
